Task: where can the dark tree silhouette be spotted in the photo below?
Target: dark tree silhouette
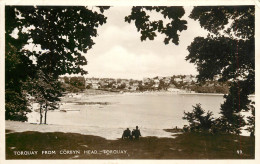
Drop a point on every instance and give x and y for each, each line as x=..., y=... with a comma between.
x=228, y=51
x=251, y=121
x=148, y=28
x=45, y=91
x=61, y=32
x=198, y=119
x=16, y=104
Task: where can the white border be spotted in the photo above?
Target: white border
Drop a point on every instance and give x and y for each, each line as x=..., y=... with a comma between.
x=127, y=3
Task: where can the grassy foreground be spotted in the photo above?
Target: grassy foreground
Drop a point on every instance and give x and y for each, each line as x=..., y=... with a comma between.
x=76, y=146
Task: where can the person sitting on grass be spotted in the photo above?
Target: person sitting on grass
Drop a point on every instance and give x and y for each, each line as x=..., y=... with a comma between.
x=126, y=134
x=137, y=133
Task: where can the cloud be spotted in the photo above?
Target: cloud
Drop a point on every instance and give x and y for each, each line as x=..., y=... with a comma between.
x=119, y=53
x=118, y=62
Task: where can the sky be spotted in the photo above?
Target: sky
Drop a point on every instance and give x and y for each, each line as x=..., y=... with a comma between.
x=119, y=52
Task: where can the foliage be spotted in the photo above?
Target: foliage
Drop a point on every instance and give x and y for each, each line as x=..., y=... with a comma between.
x=149, y=28
x=121, y=86
x=163, y=85
x=198, y=119
x=251, y=121
x=240, y=19
x=78, y=82
x=74, y=84
x=16, y=104
x=56, y=31
x=45, y=91
x=224, y=53
x=229, y=46
x=208, y=89
x=89, y=86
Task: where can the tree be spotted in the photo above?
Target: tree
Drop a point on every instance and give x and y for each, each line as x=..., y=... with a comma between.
x=121, y=86
x=230, y=48
x=198, y=119
x=162, y=85
x=16, y=104
x=251, y=121
x=149, y=28
x=46, y=91
x=78, y=82
x=89, y=86
x=62, y=33
x=141, y=87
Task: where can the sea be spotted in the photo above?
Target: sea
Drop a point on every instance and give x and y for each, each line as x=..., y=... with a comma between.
x=108, y=115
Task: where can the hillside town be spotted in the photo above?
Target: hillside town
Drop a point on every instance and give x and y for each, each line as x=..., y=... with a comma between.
x=175, y=83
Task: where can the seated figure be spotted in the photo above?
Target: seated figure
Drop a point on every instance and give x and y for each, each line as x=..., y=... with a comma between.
x=137, y=133
x=126, y=134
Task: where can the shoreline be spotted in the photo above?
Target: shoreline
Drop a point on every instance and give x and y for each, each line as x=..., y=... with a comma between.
x=100, y=93
x=106, y=93
x=111, y=133
x=161, y=92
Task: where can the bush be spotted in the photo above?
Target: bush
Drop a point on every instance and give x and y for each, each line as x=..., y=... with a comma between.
x=198, y=119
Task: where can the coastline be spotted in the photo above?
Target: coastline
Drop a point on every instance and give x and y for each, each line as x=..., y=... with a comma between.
x=100, y=93
x=160, y=92
x=111, y=133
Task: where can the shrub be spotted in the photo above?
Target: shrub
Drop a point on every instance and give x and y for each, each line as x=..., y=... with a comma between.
x=198, y=119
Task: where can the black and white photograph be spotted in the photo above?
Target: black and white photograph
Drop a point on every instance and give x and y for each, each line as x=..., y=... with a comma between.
x=150, y=81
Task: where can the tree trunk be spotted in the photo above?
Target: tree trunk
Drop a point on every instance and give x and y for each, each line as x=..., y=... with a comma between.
x=45, y=118
x=41, y=114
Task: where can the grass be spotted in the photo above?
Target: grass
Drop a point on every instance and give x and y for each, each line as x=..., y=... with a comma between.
x=184, y=146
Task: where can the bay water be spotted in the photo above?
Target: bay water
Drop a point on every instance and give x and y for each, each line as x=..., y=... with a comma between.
x=108, y=115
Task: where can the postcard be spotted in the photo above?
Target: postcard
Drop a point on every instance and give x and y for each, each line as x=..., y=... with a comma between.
x=129, y=81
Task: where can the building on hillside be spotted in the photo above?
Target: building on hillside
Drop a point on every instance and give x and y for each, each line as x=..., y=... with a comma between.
x=135, y=84
x=178, y=80
x=115, y=85
x=102, y=83
x=187, y=79
x=194, y=79
x=95, y=86
x=156, y=81
x=146, y=80
x=133, y=88
x=171, y=88
x=156, y=86
x=167, y=80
